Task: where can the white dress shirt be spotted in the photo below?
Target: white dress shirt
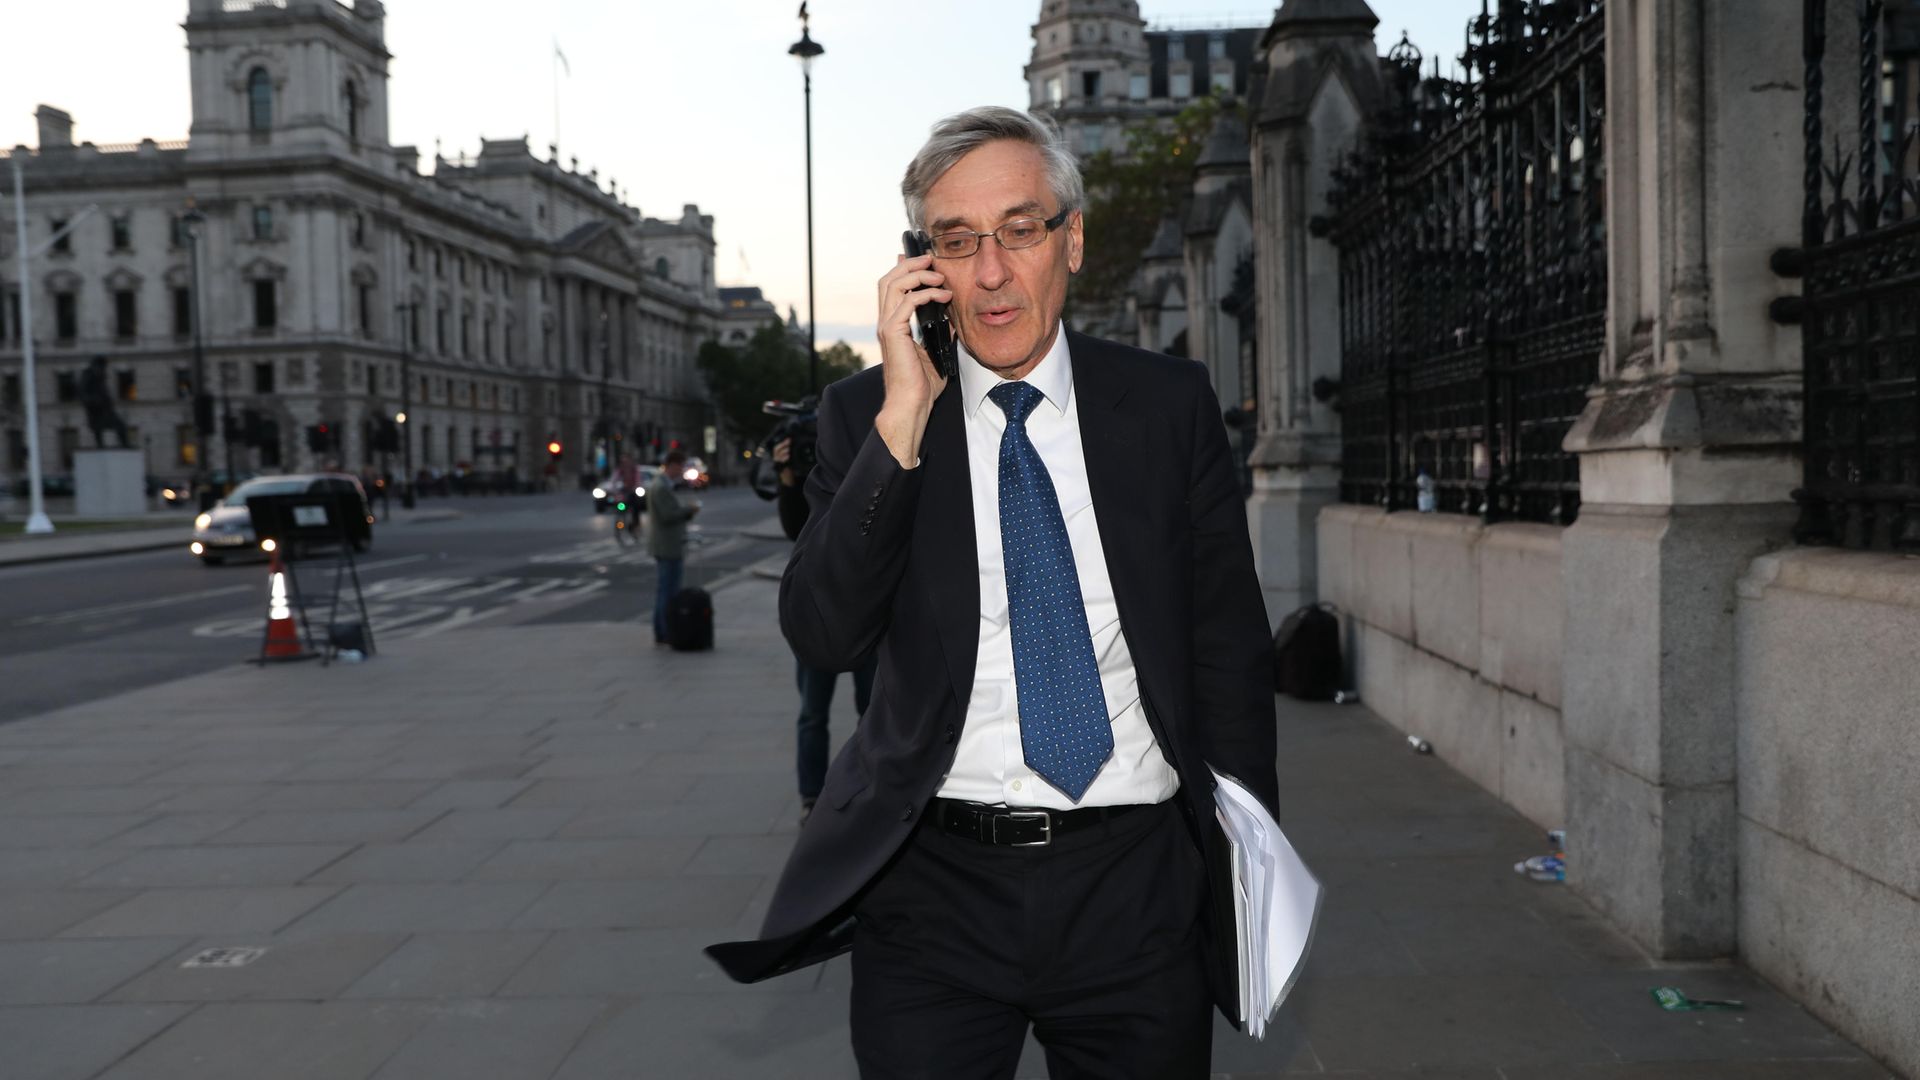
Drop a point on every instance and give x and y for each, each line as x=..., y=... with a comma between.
x=989, y=765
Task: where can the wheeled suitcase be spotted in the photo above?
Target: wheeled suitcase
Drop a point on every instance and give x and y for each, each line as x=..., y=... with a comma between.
x=690, y=620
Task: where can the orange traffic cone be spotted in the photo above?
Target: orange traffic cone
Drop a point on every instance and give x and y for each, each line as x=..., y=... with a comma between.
x=283, y=638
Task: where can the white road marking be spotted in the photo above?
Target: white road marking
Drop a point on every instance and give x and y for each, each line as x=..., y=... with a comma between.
x=83, y=614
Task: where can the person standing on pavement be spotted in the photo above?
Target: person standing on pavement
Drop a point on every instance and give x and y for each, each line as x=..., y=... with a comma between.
x=816, y=685
x=667, y=517
x=1050, y=554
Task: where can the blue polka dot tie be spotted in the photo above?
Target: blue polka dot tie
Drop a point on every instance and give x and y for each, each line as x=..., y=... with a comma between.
x=1063, y=716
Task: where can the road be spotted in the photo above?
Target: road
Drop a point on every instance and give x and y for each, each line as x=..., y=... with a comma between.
x=77, y=631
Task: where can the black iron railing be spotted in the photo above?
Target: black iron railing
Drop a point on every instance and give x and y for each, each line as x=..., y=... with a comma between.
x=1860, y=321
x=1473, y=283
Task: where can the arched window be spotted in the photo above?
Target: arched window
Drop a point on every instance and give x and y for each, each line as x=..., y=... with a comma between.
x=660, y=266
x=259, y=100
x=352, y=95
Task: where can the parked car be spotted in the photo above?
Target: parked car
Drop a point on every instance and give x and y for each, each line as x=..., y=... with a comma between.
x=226, y=531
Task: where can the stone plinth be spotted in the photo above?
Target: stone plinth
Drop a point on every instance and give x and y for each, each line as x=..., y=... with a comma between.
x=109, y=483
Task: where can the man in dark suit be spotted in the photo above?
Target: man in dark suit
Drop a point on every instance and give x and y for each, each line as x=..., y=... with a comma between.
x=1049, y=555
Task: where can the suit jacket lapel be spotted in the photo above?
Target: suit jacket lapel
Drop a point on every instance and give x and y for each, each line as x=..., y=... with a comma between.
x=1110, y=438
x=944, y=531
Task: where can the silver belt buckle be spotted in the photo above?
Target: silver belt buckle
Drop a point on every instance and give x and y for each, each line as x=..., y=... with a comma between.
x=1026, y=815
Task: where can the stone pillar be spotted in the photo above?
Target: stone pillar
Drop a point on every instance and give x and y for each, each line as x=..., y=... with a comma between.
x=1689, y=452
x=1323, y=79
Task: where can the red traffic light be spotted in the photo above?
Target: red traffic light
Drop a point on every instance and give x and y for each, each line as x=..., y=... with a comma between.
x=553, y=448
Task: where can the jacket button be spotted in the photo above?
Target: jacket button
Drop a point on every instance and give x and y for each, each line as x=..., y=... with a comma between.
x=951, y=734
x=907, y=814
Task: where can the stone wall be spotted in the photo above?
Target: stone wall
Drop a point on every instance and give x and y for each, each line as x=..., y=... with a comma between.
x=1829, y=788
x=1453, y=633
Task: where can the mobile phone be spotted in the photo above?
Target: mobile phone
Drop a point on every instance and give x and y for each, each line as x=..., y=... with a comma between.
x=935, y=320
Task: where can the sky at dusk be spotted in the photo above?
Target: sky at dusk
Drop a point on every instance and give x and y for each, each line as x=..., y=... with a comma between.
x=681, y=102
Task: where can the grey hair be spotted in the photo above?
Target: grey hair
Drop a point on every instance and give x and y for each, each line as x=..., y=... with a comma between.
x=962, y=133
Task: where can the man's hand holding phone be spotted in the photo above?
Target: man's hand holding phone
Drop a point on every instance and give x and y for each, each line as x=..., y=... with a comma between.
x=911, y=381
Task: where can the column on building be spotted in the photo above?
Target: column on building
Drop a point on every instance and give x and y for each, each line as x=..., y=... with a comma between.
x=1323, y=79
x=1689, y=450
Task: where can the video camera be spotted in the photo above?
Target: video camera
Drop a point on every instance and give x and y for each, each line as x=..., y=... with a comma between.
x=799, y=421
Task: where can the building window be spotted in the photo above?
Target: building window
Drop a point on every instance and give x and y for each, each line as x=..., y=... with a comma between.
x=506, y=282
x=486, y=339
x=66, y=386
x=10, y=392
x=1181, y=85
x=126, y=386
x=366, y=310
x=1223, y=81
x=10, y=315
x=263, y=377
x=182, y=383
x=440, y=331
x=66, y=316
x=1094, y=139
x=1137, y=88
x=1056, y=91
x=1090, y=85
x=483, y=276
x=177, y=231
x=266, y=315
x=359, y=229
x=413, y=255
x=413, y=326
x=122, y=232
x=352, y=98
x=259, y=100
x=262, y=222
x=182, y=312
x=466, y=335
x=439, y=267
x=125, y=314
x=185, y=442
x=63, y=242
x=1217, y=47
x=460, y=268
x=660, y=266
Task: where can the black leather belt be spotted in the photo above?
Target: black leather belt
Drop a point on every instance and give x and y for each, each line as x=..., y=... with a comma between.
x=1013, y=826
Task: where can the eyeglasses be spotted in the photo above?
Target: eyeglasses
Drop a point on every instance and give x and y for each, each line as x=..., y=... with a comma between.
x=1013, y=236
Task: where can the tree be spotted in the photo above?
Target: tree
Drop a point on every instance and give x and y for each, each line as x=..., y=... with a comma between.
x=770, y=367
x=1129, y=194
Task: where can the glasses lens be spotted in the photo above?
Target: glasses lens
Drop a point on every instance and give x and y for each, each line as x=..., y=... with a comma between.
x=955, y=245
x=1023, y=233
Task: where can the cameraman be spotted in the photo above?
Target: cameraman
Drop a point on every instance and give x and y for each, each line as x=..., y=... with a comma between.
x=816, y=684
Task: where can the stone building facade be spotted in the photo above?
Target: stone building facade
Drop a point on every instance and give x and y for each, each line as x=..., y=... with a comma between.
x=501, y=302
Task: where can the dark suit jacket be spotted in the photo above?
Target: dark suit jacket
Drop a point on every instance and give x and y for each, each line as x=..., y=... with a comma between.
x=888, y=562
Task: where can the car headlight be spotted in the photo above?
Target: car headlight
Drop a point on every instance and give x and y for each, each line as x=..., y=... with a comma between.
x=599, y=493
x=640, y=491
x=203, y=521
x=691, y=475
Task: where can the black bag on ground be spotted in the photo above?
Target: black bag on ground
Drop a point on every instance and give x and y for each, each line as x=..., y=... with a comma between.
x=690, y=620
x=1306, y=654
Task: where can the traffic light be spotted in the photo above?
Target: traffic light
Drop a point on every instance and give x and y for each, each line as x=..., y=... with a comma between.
x=322, y=438
x=553, y=449
x=203, y=413
x=386, y=436
x=230, y=427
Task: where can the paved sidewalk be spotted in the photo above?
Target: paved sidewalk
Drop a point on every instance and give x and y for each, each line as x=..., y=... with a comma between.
x=495, y=853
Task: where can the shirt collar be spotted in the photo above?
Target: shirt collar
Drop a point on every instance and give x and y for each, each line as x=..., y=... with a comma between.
x=1053, y=376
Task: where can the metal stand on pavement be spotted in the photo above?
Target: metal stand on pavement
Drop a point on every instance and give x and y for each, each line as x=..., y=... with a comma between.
x=297, y=527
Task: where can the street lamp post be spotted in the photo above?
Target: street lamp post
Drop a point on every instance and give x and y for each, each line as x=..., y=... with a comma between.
x=606, y=386
x=406, y=400
x=37, y=519
x=806, y=50
x=194, y=220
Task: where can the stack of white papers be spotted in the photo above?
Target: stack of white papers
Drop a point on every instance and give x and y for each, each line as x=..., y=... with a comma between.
x=1276, y=901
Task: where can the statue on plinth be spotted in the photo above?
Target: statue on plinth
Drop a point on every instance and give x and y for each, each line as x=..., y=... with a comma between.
x=97, y=399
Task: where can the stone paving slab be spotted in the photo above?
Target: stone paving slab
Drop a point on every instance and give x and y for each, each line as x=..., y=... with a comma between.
x=485, y=854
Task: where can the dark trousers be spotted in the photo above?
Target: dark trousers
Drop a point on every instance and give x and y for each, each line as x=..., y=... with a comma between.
x=666, y=583
x=816, y=704
x=1095, y=940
